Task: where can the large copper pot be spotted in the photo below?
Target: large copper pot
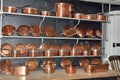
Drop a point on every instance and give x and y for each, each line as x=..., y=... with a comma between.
x=63, y=9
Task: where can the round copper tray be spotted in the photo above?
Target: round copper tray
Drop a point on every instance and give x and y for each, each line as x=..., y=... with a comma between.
x=49, y=31
x=83, y=62
x=23, y=30
x=22, y=48
x=8, y=30
x=6, y=49
x=95, y=61
x=65, y=62
x=68, y=31
x=66, y=47
x=32, y=64
x=35, y=30
x=44, y=46
x=79, y=49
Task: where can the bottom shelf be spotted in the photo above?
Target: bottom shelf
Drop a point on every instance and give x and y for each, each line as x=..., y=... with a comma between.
x=60, y=75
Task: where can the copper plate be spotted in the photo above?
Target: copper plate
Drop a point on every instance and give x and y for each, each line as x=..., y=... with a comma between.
x=66, y=47
x=65, y=62
x=95, y=61
x=6, y=49
x=49, y=31
x=32, y=64
x=8, y=30
x=83, y=62
x=35, y=30
x=23, y=30
x=22, y=48
x=44, y=46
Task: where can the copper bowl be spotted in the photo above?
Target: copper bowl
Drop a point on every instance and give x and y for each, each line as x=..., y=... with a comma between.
x=45, y=13
x=65, y=62
x=100, y=17
x=20, y=71
x=8, y=30
x=29, y=10
x=35, y=30
x=78, y=15
x=9, y=9
x=71, y=69
x=23, y=30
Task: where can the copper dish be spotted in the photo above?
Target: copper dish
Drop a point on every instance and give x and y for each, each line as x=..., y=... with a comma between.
x=68, y=31
x=78, y=15
x=65, y=62
x=83, y=62
x=6, y=49
x=78, y=48
x=32, y=50
x=8, y=30
x=95, y=61
x=45, y=13
x=100, y=17
x=98, y=33
x=20, y=71
x=49, y=31
x=32, y=64
x=55, y=48
x=44, y=46
x=80, y=31
x=9, y=9
x=35, y=30
x=23, y=30
x=22, y=48
x=29, y=10
x=90, y=32
x=63, y=9
x=88, y=16
x=71, y=69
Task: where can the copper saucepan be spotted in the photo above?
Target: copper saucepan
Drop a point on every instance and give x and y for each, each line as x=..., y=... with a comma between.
x=65, y=62
x=9, y=9
x=45, y=13
x=100, y=17
x=29, y=10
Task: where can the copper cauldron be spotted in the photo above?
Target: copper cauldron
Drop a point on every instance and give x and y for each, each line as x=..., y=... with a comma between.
x=63, y=9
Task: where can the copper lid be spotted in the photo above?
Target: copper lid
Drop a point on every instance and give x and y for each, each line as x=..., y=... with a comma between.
x=32, y=64
x=49, y=31
x=8, y=30
x=65, y=62
x=90, y=32
x=22, y=48
x=6, y=49
x=23, y=30
x=68, y=31
x=44, y=46
x=95, y=61
x=35, y=30
x=83, y=62
x=66, y=47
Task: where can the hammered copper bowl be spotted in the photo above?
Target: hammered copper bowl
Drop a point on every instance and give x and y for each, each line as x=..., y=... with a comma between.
x=9, y=9
x=23, y=30
x=8, y=30
x=29, y=10
x=45, y=13
x=71, y=69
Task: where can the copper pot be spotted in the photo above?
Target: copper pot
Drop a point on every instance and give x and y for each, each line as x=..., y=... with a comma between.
x=29, y=10
x=15, y=53
x=63, y=9
x=83, y=62
x=63, y=52
x=44, y=46
x=88, y=16
x=79, y=49
x=73, y=52
x=90, y=33
x=48, y=61
x=65, y=62
x=98, y=33
x=96, y=52
x=8, y=30
x=95, y=61
x=45, y=13
x=49, y=53
x=20, y=71
x=9, y=9
x=100, y=17
x=96, y=46
x=78, y=15
x=55, y=49
x=71, y=69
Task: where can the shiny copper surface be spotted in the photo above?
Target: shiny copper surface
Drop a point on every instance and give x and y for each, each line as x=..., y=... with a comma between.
x=95, y=61
x=15, y=53
x=44, y=46
x=86, y=49
x=23, y=30
x=96, y=52
x=65, y=62
x=32, y=64
x=45, y=13
x=71, y=69
x=63, y=52
x=8, y=30
x=29, y=10
x=35, y=30
x=66, y=47
x=96, y=46
x=9, y=9
x=49, y=53
x=100, y=17
x=48, y=61
x=88, y=16
x=78, y=15
x=49, y=31
x=63, y=9
x=6, y=49
x=84, y=62
x=73, y=52
x=78, y=48
x=98, y=33
x=90, y=32
x=22, y=48
x=55, y=49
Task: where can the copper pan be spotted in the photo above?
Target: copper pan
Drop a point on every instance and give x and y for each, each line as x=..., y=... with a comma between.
x=98, y=33
x=23, y=30
x=9, y=9
x=100, y=17
x=95, y=61
x=6, y=49
x=83, y=62
x=32, y=64
x=29, y=10
x=15, y=53
x=48, y=61
x=65, y=62
x=73, y=52
x=55, y=48
x=90, y=32
x=44, y=46
x=78, y=15
x=45, y=13
x=71, y=69
x=88, y=16
x=96, y=46
x=49, y=53
x=78, y=48
x=35, y=30
x=8, y=30
x=96, y=52
x=49, y=31
x=63, y=52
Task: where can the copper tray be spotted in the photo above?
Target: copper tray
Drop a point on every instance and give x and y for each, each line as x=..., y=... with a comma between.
x=6, y=49
x=22, y=48
x=35, y=30
x=49, y=31
x=9, y=9
x=32, y=64
x=65, y=62
x=84, y=62
x=29, y=10
x=66, y=47
x=23, y=30
x=95, y=61
x=8, y=30
x=44, y=46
